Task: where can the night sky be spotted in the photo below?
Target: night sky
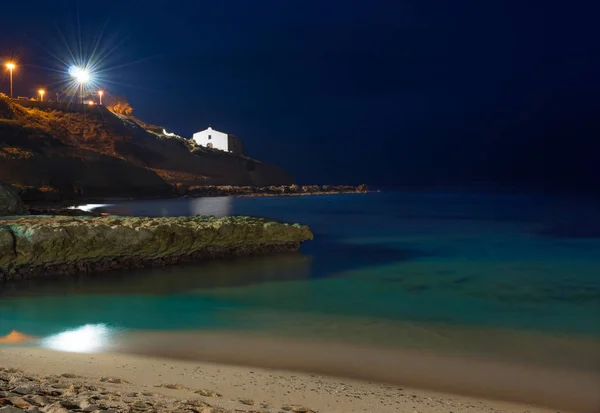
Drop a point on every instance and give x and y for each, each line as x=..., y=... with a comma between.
x=404, y=92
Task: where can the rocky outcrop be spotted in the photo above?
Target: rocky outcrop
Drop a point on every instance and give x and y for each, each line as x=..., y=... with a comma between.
x=10, y=202
x=58, y=152
x=45, y=245
x=228, y=190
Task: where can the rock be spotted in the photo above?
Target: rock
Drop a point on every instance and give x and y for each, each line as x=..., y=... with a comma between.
x=62, y=385
x=113, y=380
x=18, y=402
x=10, y=409
x=207, y=393
x=69, y=375
x=37, y=400
x=55, y=408
x=141, y=405
x=71, y=404
x=247, y=402
x=10, y=202
x=173, y=386
x=22, y=390
x=40, y=245
x=297, y=409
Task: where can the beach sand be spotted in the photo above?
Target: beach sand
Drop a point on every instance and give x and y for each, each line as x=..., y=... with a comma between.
x=308, y=376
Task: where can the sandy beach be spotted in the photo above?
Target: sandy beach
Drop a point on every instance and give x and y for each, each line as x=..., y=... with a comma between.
x=192, y=367
x=168, y=383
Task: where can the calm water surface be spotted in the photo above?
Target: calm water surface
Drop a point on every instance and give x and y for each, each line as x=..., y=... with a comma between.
x=391, y=268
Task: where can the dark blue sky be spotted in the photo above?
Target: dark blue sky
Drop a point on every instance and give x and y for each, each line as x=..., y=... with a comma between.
x=412, y=92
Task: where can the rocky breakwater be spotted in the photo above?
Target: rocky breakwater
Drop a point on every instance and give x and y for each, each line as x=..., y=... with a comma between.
x=48, y=245
x=275, y=190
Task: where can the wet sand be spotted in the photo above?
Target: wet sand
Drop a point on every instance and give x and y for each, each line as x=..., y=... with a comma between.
x=374, y=379
x=172, y=383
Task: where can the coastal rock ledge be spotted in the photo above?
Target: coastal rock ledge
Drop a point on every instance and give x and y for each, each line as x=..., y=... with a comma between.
x=35, y=246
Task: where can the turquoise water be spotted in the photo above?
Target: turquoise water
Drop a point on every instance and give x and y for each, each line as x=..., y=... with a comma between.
x=378, y=261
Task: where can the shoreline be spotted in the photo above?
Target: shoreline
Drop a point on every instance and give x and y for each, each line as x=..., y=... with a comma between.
x=266, y=369
x=159, y=384
x=472, y=376
x=58, y=201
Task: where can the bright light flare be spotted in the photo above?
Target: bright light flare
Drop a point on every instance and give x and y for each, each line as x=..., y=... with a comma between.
x=10, y=66
x=87, y=339
x=89, y=207
x=80, y=75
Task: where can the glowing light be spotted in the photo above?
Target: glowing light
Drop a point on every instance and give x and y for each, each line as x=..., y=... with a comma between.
x=87, y=339
x=91, y=102
x=89, y=207
x=41, y=92
x=10, y=66
x=80, y=75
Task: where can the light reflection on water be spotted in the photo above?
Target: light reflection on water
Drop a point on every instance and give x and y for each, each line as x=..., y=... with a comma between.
x=90, y=338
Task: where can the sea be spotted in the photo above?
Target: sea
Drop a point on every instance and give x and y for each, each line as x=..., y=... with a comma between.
x=509, y=276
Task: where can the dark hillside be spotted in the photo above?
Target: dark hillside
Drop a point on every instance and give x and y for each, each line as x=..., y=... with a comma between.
x=90, y=151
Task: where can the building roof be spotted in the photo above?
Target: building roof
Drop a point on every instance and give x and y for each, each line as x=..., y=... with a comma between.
x=211, y=129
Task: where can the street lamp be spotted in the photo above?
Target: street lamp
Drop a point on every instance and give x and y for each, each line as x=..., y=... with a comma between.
x=10, y=66
x=100, y=93
x=41, y=92
x=81, y=76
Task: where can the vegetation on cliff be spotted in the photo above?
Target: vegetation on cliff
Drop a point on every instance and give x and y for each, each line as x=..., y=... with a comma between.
x=81, y=151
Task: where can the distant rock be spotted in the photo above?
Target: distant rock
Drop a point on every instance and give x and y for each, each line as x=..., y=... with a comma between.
x=10, y=202
x=273, y=190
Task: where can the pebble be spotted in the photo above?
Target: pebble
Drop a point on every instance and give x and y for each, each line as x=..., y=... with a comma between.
x=114, y=380
x=10, y=409
x=18, y=402
x=60, y=394
x=207, y=393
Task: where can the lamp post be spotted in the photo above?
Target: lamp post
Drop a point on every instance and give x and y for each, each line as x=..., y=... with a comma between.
x=41, y=92
x=81, y=76
x=100, y=93
x=10, y=66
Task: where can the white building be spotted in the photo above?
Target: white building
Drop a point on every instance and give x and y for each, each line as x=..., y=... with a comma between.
x=211, y=138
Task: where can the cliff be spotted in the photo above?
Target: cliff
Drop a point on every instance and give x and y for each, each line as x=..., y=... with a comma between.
x=53, y=150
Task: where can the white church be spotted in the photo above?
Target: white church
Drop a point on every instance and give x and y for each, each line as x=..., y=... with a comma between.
x=211, y=138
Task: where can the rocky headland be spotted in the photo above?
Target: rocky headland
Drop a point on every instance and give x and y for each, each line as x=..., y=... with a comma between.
x=54, y=151
x=33, y=246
